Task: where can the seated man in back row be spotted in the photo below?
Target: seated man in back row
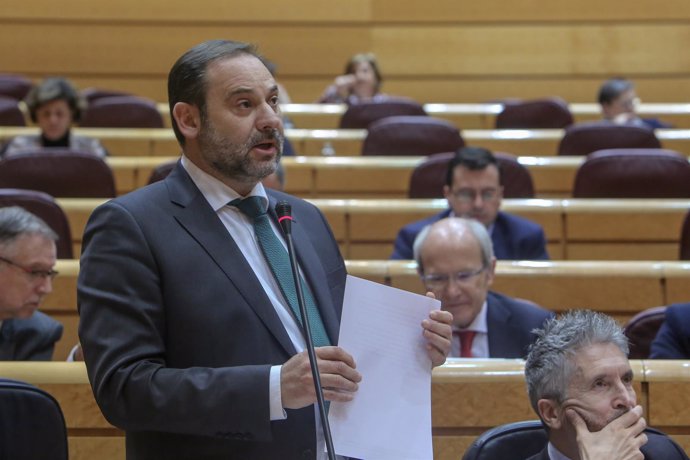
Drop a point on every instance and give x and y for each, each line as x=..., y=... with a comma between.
x=456, y=262
x=473, y=189
x=580, y=384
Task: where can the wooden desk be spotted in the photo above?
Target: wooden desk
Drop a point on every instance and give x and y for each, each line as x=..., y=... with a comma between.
x=618, y=288
x=468, y=397
x=580, y=229
x=345, y=142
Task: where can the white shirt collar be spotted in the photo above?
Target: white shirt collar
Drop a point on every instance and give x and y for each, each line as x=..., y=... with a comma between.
x=479, y=323
x=217, y=193
x=555, y=454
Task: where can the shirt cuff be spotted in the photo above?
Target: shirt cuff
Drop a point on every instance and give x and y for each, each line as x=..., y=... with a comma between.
x=275, y=396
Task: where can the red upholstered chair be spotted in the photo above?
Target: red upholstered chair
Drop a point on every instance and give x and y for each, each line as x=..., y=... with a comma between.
x=122, y=112
x=60, y=173
x=535, y=114
x=411, y=135
x=161, y=171
x=10, y=114
x=45, y=207
x=15, y=86
x=360, y=116
x=685, y=238
x=633, y=173
x=429, y=177
x=641, y=330
x=92, y=94
x=585, y=138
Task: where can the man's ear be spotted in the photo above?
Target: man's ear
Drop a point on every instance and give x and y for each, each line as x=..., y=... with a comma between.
x=550, y=413
x=188, y=119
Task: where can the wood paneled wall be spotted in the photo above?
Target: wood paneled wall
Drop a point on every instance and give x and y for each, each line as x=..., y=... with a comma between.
x=444, y=51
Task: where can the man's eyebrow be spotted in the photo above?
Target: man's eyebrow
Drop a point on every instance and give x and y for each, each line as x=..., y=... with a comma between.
x=248, y=90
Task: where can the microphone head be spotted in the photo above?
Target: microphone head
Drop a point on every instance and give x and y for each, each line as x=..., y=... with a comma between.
x=284, y=212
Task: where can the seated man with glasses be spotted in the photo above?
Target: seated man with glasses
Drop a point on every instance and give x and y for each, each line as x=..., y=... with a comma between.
x=473, y=189
x=619, y=102
x=27, y=258
x=455, y=261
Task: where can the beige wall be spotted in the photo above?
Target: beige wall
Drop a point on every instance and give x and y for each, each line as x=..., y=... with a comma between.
x=442, y=51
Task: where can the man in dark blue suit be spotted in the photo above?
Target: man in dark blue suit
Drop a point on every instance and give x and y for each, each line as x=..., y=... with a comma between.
x=188, y=332
x=673, y=339
x=580, y=384
x=473, y=189
x=456, y=262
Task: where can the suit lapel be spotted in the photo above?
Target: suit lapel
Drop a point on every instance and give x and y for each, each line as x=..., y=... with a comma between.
x=497, y=317
x=7, y=345
x=202, y=223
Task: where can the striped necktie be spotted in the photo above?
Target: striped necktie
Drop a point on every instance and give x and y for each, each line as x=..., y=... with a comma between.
x=277, y=257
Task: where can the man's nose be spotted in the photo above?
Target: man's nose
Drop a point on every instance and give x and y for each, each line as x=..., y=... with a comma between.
x=269, y=118
x=625, y=397
x=45, y=286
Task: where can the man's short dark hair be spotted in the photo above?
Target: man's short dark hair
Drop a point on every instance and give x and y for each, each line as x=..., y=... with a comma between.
x=187, y=77
x=611, y=89
x=472, y=158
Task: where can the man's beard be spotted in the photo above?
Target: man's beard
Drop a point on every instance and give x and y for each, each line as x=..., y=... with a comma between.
x=234, y=161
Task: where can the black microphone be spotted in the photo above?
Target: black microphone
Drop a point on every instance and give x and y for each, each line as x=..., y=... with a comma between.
x=284, y=212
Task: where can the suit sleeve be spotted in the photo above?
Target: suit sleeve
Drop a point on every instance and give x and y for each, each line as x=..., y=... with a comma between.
x=534, y=247
x=123, y=335
x=671, y=342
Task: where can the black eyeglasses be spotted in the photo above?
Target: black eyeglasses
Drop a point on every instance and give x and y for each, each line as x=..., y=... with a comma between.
x=34, y=274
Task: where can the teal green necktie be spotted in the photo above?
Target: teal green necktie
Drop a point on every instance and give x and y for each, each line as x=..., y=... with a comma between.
x=277, y=257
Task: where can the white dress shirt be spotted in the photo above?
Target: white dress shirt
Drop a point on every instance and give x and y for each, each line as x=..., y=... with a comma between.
x=480, y=343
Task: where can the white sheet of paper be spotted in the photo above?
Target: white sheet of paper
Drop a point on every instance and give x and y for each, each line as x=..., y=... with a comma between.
x=390, y=416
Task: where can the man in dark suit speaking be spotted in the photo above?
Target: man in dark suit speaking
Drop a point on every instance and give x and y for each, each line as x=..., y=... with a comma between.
x=580, y=384
x=187, y=324
x=456, y=262
x=473, y=189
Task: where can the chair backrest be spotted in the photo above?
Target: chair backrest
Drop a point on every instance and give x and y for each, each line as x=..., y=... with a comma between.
x=641, y=330
x=32, y=423
x=121, y=112
x=513, y=440
x=633, y=173
x=91, y=94
x=585, y=138
x=59, y=172
x=411, y=135
x=161, y=171
x=685, y=238
x=44, y=206
x=429, y=177
x=535, y=114
x=10, y=113
x=360, y=116
x=15, y=86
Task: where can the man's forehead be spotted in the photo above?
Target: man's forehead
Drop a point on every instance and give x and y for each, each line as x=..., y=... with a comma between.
x=595, y=359
x=462, y=173
x=243, y=72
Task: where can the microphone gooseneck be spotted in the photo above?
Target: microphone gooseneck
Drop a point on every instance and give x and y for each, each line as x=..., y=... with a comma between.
x=284, y=212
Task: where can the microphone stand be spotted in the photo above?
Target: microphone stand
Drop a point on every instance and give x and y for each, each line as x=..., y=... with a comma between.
x=283, y=209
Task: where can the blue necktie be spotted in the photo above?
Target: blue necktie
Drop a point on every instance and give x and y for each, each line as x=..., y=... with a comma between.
x=277, y=257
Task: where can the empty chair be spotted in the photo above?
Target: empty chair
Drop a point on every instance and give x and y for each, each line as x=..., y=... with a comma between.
x=122, y=112
x=45, y=207
x=14, y=86
x=161, y=171
x=411, y=135
x=32, y=423
x=60, y=173
x=685, y=238
x=641, y=330
x=361, y=115
x=10, y=113
x=512, y=440
x=633, y=173
x=429, y=177
x=585, y=138
x=535, y=114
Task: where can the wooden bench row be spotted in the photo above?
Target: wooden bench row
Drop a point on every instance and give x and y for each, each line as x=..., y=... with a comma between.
x=468, y=397
x=345, y=142
x=618, y=288
x=599, y=229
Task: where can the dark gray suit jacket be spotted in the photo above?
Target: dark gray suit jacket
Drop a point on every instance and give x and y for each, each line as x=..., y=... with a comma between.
x=30, y=339
x=178, y=334
x=658, y=447
x=510, y=323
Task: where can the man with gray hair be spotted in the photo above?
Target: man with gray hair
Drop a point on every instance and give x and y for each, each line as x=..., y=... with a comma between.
x=580, y=383
x=27, y=257
x=456, y=262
